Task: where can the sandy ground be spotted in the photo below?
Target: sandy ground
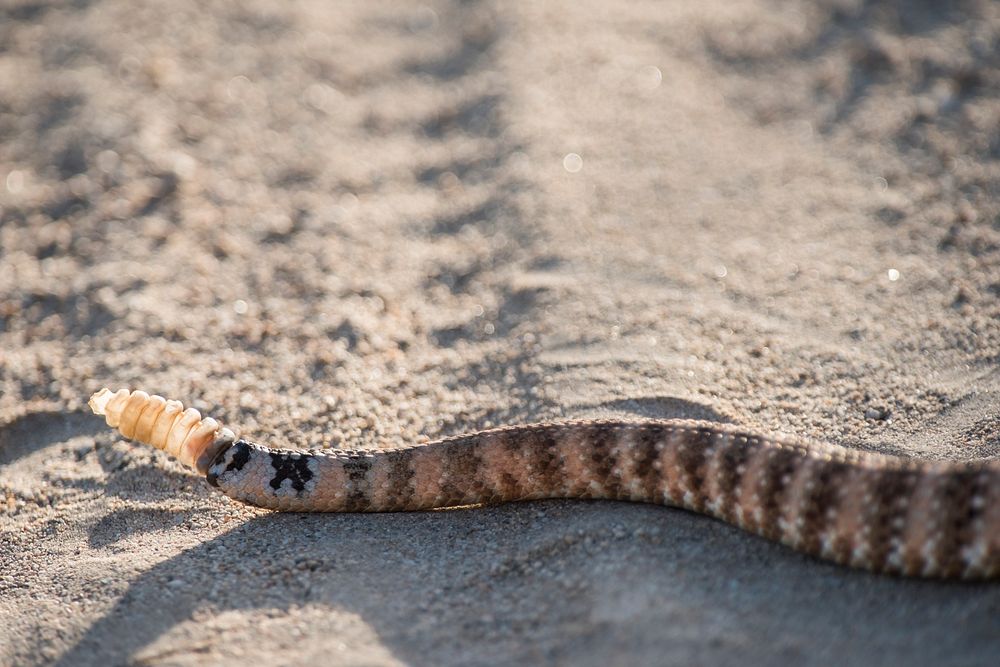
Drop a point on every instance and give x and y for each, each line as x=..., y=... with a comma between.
x=356, y=223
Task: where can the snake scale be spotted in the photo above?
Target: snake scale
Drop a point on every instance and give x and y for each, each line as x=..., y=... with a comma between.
x=883, y=513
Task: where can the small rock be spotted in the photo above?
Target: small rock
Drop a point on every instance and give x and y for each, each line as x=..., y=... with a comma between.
x=879, y=414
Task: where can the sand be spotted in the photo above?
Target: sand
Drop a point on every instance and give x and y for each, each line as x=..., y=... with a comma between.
x=358, y=224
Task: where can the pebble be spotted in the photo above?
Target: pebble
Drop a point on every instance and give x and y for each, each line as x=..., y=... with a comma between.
x=879, y=414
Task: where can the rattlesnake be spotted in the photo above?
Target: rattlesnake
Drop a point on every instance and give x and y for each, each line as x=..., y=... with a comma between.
x=883, y=513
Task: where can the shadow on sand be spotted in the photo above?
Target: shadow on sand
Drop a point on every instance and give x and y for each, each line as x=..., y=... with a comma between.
x=554, y=581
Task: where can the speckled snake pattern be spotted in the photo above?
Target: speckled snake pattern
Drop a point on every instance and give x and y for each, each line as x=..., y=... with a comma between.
x=882, y=513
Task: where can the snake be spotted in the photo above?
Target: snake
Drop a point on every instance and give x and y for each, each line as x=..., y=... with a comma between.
x=887, y=514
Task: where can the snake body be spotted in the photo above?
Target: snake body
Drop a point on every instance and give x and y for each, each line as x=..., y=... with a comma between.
x=882, y=513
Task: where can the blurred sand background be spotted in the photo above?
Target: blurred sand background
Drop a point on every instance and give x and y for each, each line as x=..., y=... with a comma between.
x=356, y=224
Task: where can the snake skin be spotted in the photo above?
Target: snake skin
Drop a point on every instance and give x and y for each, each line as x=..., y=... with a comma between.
x=865, y=510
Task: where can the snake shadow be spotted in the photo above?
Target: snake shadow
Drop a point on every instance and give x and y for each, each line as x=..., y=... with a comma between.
x=38, y=430
x=550, y=582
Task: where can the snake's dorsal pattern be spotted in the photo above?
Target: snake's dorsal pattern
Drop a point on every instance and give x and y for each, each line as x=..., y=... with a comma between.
x=882, y=513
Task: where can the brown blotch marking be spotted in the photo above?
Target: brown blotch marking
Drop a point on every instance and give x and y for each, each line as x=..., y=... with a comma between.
x=771, y=487
x=601, y=461
x=531, y=452
x=883, y=512
x=956, y=520
x=399, y=479
x=646, y=456
x=464, y=483
x=818, y=503
x=749, y=505
x=503, y=460
x=507, y=445
x=356, y=467
x=734, y=454
x=692, y=462
x=541, y=452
